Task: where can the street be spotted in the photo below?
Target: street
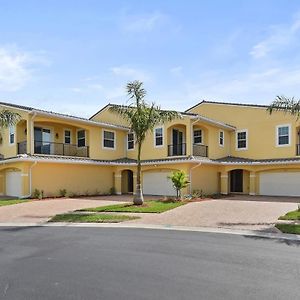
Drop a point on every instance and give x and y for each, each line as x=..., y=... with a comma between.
x=110, y=263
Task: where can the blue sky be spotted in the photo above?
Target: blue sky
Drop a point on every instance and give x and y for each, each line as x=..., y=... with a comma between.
x=76, y=56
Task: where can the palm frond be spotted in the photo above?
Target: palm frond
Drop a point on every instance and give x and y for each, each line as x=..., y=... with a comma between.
x=288, y=105
x=8, y=118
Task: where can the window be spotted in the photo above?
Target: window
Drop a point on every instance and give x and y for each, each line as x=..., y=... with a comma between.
x=109, y=139
x=241, y=137
x=159, y=138
x=12, y=132
x=67, y=136
x=130, y=141
x=81, y=138
x=221, y=138
x=283, y=135
x=198, y=136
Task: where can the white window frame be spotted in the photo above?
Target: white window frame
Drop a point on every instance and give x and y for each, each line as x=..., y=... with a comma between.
x=154, y=135
x=223, y=138
x=236, y=140
x=114, y=140
x=127, y=141
x=277, y=135
x=84, y=137
x=68, y=129
x=12, y=131
x=202, y=136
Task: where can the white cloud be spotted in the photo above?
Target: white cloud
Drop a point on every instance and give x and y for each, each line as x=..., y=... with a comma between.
x=16, y=67
x=280, y=37
x=143, y=23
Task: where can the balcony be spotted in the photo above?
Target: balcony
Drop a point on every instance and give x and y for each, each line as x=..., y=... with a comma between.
x=200, y=150
x=177, y=150
x=51, y=148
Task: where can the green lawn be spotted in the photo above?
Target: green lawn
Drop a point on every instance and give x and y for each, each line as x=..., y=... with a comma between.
x=91, y=218
x=4, y=202
x=289, y=228
x=147, y=207
x=292, y=215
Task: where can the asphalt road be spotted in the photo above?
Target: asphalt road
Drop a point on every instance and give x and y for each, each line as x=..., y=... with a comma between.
x=136, y=264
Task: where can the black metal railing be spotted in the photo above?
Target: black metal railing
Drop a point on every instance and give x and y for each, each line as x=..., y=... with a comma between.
x=297, y=149
x=200, y=150
x=52, y=148
x=177, y=150
x=22, y=147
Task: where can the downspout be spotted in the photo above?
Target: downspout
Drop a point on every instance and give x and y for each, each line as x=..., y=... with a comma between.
x=30, y=181
x=194, y=167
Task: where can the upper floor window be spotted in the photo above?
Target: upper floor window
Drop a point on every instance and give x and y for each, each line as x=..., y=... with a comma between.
x=159, y=137
x=67, y=136
x=221, y=138
x=198, y=136
x=81, y=138
x=283, y=135
x=12, y=134
x=130, y=141
x=108, y=139
x=242, y=140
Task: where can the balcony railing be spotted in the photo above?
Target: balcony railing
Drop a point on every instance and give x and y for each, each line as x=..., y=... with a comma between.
x=177, y=150
x=51, y=148
x=200, y=150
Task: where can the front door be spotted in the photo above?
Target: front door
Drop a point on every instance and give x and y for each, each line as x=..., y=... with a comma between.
x=236, y=181
x=177, y=137
x=42, y=140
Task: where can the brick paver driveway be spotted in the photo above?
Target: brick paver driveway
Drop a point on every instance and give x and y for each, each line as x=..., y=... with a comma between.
x=41, y=211
x=223, y=213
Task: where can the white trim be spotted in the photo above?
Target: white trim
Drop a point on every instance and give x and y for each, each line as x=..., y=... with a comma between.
x=236, y=140
x=81, y=129
x=115, y=139
x=71, y=135
x=277, y=136
x=12, y=133
x=221, y=145
x=202, y=136
x=163, y=137
x=224, y=176
x=128, y=141
x=24, y=175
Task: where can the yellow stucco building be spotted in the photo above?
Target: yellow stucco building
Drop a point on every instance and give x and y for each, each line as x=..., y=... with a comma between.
x=223, y=147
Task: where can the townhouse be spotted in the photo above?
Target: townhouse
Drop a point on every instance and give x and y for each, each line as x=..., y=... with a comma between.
x=223, y=147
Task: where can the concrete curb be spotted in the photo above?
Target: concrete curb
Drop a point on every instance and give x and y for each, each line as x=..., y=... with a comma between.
x=250, y=233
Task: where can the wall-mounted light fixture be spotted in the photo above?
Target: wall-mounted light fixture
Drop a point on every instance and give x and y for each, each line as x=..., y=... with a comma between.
x=56, y=135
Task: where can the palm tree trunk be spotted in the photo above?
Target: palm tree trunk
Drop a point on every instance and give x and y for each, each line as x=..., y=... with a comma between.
x=138, y=198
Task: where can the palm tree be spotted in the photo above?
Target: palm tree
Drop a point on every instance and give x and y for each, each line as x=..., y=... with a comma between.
x=8, y=118
x=288, y=105
x=142, y=117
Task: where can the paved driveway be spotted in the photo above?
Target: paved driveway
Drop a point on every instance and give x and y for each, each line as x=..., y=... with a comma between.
x=41, y=211
x=233, y=214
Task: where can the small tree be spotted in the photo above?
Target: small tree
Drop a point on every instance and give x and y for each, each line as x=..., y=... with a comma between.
x=142, y=117
x=179, y=180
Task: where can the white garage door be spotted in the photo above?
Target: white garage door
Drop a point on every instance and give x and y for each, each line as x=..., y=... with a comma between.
x=157, y=183
x=280, y=184
x=13, y=184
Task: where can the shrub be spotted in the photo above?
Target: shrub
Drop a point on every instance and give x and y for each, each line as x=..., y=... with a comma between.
x=179, y=180
x=63, y=193
x=36, y=194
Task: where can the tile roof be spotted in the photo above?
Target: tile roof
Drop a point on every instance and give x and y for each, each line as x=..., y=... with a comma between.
x=28, y=108
x=240, y=160
x=229, y=103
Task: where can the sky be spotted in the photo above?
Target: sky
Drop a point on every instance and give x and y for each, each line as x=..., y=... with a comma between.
x=76, y=56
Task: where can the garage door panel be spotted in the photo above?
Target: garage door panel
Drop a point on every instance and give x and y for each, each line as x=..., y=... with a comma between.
x=13, y=184
x=280, y=184
x=157, y=183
